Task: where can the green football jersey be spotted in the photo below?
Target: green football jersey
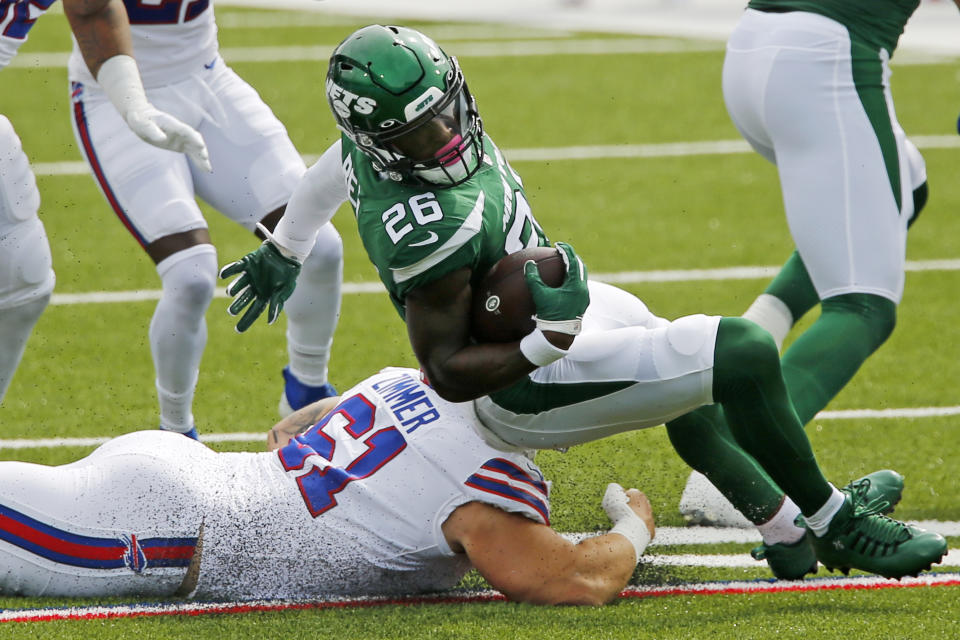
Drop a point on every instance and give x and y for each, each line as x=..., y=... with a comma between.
x=879, y=23
x=416, y=234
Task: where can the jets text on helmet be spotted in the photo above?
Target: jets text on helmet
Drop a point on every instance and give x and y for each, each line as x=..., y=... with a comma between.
x=343, y=100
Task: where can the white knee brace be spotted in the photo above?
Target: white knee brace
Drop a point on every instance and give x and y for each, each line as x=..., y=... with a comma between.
x=25, y=264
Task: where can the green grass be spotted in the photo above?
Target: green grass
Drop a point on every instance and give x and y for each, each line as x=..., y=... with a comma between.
x=907, y=614
x=87, y=371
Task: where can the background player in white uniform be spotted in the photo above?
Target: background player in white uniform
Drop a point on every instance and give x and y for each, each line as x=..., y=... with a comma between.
x=807, y=83
x=26, y=276
x=391, y=491
x=255, y=167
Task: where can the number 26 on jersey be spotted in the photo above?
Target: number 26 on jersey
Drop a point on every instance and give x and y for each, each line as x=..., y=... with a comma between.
x=421, y=209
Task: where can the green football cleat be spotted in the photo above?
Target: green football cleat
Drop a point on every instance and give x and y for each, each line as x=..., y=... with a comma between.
x=859, y=537
x=794, y=561
x=885, y=484
x=788, y=561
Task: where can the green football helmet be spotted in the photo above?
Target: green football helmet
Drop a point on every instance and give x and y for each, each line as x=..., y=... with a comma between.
x=405, y=104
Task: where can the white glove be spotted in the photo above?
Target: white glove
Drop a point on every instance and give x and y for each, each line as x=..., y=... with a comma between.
x=625, y=521
x=121, y=81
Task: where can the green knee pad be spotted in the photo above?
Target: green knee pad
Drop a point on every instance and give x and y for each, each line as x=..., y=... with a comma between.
x=745, y=358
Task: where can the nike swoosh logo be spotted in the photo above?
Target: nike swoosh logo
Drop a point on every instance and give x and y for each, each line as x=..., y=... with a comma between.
x=431, y=238
x=210, y=64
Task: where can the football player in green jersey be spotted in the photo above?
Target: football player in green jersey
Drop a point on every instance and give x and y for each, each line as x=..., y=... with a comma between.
x=807, y=83
x=437, y=205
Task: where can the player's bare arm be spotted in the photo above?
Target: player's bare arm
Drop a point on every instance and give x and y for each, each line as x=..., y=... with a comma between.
x=438, y=316
x=101, y=29
x=298, y=422
x=438, y=323
x=529, y=562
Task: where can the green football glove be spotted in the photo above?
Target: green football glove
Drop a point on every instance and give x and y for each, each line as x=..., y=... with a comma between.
x=560, y=309
x=267, y=278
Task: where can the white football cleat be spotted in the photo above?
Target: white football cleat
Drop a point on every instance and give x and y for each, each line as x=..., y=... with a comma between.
x=702, y=504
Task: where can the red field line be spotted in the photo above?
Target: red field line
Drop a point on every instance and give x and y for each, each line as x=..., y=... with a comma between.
x=461, y=597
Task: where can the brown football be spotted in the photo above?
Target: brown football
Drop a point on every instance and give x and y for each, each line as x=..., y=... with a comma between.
x=502, y=305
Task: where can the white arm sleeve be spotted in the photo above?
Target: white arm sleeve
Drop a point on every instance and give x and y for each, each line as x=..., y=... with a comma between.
x=320, y=193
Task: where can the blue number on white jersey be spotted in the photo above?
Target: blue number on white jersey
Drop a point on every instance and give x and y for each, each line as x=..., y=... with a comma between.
x=164, y=11
x=356, y=416
x=16, y=18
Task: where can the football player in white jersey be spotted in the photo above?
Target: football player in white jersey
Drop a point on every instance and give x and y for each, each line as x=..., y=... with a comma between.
x=153, y=193
x=387, y=490
x=26, y=276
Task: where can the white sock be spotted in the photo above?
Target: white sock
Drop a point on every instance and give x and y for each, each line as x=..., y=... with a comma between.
x=178, y=331
x=314, y=308
x=782, y=528
x=16, y=323
x=820, y=521
x=772, y=314
x=176, y=409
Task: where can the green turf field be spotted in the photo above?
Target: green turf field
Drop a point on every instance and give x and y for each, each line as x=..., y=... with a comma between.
x=87, y=371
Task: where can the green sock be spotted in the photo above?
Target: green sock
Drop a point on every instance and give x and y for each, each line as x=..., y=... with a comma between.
x=827, y=355
x=748, y=382
x=794, y=287
x=704, y=441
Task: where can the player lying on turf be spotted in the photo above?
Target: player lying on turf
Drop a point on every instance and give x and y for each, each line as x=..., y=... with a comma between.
x=391, y=490
x=437, y=205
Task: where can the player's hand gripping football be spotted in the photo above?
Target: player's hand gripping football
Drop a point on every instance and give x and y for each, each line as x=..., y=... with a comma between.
x=560, y=308
x=266, y=279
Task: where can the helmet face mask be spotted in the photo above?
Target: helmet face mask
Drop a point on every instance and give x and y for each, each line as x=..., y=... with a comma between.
x=405, y=104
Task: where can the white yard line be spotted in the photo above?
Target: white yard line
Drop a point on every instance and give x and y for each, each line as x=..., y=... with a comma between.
x=261, y=20
x=494, y=47
x=463, y=49
x=671, y=536
x=246, y=436
x=583, y=152
x=619, y=277
x=744, y=560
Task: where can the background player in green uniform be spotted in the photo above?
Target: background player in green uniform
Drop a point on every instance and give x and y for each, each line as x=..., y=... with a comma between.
x=437, y=205
x=807, y=84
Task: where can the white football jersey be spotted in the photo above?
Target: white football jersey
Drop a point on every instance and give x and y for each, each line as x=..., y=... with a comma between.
x=171, y=40
x=356, y=503
x=16, y=19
